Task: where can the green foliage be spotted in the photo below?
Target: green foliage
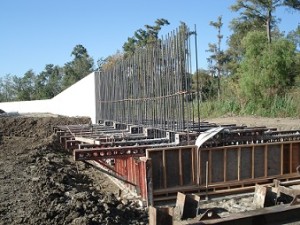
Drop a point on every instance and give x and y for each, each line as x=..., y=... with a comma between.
x=266, y=83
x=7, y=88
x=297, y=69
x=217, y=58
x=24, y=86
x=255, y=15
x=143, y=38
x=206, y=84
x=262, y=11
x=77, y=69
x=267, y=70
x=48, y=82
x=295, y=36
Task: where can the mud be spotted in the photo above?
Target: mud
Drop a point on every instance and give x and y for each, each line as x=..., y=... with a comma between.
x=41, y=184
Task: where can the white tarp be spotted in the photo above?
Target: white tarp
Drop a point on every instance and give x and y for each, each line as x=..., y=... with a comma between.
x=203, y=137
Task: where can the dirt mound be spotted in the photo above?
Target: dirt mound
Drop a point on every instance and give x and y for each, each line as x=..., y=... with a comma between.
x=41, y=184
x=36, y=126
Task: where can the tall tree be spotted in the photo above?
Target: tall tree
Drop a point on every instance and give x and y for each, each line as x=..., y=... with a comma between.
x=24, y=86
x=255, y=15
x=217, y=57
x=77, y=69
x=295, y=36
x=262, y=10
x=7, y=88
x=48, y=82
x=266, y=72
x=208, y=88
x=143, y=37
x=240, y=27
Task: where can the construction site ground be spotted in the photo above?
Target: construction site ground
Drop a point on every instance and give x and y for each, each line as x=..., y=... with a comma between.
x=41, y=184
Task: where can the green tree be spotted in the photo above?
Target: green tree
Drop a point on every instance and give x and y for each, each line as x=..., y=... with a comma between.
x=77, y=69
x=217, y=58
x=240, y=27
x=295, y=36
x=266, y=71
x=208, y=85
x=263, y=11
x=255, y=15
x=143, y=37
x=48, y=82
x=7, y=90
x=24, y=86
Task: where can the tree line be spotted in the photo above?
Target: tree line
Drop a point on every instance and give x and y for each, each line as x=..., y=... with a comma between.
x=258, y=73
x=48, y=83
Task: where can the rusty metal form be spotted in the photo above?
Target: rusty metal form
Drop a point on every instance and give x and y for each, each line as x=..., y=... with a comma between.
x=234, y=160
x=153, y=87
x=220, y=170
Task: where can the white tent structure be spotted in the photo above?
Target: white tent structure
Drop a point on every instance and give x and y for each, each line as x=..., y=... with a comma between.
x=80, y=99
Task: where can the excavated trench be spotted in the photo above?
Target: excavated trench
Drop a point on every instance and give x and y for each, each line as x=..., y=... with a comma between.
x=41, y=184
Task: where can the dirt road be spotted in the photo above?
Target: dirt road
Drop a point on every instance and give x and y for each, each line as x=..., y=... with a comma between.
x=279, y=123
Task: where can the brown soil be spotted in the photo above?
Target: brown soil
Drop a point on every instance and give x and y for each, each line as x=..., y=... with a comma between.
x=279, y=123
x=41, y=184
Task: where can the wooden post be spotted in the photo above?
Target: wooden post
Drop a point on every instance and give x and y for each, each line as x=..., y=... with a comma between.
x=161, y=216
x=266, y=161
x=180, y=166
x=253, y=163
x=187, y=205
x=225, y=165
x=149, y=182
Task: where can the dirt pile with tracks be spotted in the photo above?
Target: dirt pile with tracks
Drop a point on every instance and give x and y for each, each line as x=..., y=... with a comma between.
x=41, y=184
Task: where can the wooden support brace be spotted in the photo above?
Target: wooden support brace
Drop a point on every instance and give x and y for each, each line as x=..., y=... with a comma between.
x=187, y=205
x=161, y=216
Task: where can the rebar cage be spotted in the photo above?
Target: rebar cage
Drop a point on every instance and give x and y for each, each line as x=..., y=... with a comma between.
x=153, y=86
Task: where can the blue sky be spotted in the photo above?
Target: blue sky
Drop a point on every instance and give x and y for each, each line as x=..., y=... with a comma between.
x=34, y=33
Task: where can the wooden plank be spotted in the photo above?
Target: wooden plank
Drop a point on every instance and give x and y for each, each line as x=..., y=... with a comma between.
x=259, y=196
x=266, y=161
x=270, y=215
x=252, y=163
x=281, y=159
x=180, y=167
x=195, y=162
x=225, y=163
x=296, y=156
x=87, y=140
x=187, y=205
x=149, y=182
x=291, y=158
x=164, y=168
x=161, y=216
x=209, y=167
x=239, y=164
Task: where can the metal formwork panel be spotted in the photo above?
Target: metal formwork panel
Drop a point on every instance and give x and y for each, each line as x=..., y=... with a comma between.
x=220, y=169
x=134, y=171
x=248, y=162
x=173, y=166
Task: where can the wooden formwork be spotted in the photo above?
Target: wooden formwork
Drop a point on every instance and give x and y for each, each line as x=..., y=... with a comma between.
x=157, y=172
x=220, y=169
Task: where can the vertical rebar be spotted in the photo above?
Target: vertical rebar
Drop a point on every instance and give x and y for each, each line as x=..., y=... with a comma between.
x=151, y=87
